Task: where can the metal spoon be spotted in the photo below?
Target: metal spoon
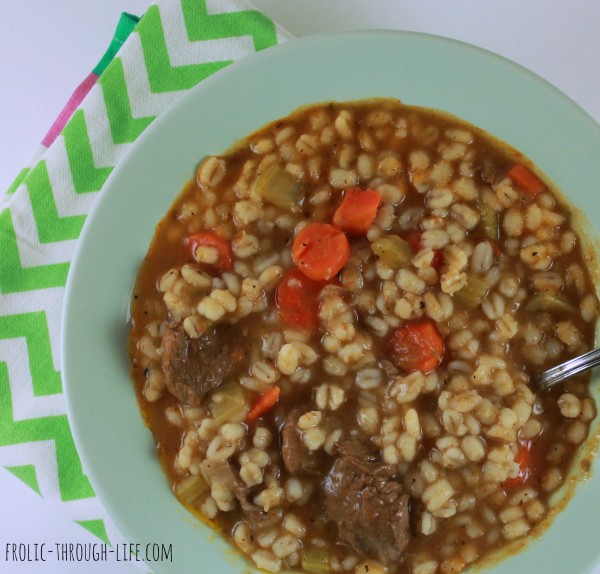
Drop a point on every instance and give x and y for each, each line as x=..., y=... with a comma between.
x=550, y=377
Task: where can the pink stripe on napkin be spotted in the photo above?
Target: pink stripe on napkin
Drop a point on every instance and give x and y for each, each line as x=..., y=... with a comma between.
x=76, y=98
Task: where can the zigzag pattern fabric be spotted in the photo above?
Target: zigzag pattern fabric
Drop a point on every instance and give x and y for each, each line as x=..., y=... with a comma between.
x=176, y=45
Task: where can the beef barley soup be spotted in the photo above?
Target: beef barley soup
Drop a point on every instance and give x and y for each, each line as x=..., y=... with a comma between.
x=333, y=333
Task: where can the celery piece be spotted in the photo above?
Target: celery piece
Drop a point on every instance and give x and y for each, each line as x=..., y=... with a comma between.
x=550, y=302
x=228, y=404
x=315, y=559
x=280, y=188
x=473, y=293
x=190, y=490
x=490, y=222
x=392, y=250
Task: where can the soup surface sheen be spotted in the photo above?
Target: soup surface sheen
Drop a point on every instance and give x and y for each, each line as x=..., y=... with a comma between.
x=333, y=333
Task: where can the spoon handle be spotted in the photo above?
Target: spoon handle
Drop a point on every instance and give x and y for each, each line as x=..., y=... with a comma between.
x=546, y=379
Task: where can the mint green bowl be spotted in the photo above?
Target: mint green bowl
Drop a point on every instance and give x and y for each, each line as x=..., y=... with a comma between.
x=495, y=94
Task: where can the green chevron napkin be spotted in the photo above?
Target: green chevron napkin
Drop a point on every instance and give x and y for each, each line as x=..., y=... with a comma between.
x=174, y=46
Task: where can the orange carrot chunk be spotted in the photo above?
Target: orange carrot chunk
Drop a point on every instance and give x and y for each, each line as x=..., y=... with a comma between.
x=526, y=180
x=224, y=260
x=296, y=299
x=320, y=250
x=524, y=459
x=263, y=404
x=417, y=346
x=357, y=211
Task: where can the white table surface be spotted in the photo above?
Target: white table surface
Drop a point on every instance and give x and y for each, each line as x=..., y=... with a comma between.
x=47, y=48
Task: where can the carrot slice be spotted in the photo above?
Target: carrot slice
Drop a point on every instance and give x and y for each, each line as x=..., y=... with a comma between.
x=526, y=180
x=296, y=299
x=263, y=404
x=224, y=260
x=357, y=211
x=417, y=347
x=524, y=459
x=320, y=250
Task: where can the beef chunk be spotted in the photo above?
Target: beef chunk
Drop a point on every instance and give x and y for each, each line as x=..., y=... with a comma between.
x=193, y=367
x=368, y=505
x=296, y=455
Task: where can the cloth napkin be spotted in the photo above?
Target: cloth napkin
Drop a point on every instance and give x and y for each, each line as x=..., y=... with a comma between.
x=175, y=45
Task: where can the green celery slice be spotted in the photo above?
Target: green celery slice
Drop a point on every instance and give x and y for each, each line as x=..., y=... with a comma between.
x=550, y=302
x=315, y=559
x=392, y=250
x=228, y=404
x=190, y=490
x=490, y=222
x=280, y=188
x=473, y=293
